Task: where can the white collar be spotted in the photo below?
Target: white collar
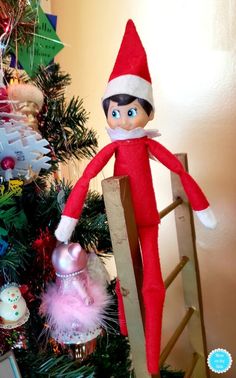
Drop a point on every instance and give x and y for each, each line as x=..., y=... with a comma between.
x=121, y=134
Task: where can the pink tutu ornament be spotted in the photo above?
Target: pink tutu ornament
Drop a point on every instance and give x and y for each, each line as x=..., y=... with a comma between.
x=75, y=306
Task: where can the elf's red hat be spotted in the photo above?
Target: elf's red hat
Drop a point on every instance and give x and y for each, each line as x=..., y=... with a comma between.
x=130, y=74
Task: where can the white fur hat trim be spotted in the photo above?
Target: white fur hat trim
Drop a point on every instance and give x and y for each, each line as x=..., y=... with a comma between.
x=132, y=85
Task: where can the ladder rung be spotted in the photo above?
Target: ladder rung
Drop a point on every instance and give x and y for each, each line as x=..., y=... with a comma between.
x=176, y=335
x=194, y=361
x=176, y=271
x=171, y=207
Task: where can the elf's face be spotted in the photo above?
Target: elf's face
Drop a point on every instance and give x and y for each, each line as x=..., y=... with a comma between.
x=127, y=117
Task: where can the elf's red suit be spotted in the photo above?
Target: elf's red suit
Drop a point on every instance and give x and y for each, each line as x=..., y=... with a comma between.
x=132, y=159
x=132, y=148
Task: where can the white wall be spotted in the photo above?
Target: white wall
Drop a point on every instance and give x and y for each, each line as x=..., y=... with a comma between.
x=191, y=50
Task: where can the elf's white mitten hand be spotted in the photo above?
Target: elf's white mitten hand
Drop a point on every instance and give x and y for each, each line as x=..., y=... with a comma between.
x=207, y=218
x=65, y=228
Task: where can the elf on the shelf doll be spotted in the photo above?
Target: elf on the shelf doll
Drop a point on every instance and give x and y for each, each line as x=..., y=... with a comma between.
x=128, y=105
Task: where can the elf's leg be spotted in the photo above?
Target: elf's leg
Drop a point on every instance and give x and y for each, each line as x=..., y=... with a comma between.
x=153, y=291
x=121, y=310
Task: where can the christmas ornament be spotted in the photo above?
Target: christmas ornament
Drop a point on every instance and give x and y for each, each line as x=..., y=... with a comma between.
x=7, y=165
x=22, y=342
x=81, y=351
x=5, y=105
x=13, y=309
x=63, y=265
x=128, y=105
x=9, y=338
x=28, y=101
x=26, y=147
x=75, y=306
x=3, y=247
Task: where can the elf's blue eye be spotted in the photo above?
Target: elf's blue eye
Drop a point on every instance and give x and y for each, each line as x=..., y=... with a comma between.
x=132, y=112
x=115, y=114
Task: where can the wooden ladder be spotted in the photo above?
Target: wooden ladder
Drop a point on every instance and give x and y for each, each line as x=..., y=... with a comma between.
x=125, y=245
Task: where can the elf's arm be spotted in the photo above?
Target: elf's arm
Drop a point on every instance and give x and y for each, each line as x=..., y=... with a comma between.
x=75, y=202
x=195, y=195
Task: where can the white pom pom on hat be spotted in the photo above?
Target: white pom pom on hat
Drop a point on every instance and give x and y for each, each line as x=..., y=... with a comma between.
x=130, y=74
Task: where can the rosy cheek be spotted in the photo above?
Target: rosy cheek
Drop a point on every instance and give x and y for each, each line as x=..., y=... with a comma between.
x=112, y=123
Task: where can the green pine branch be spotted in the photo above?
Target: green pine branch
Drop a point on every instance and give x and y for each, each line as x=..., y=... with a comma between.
x=52, y=81
x=62, y=366
x=44, y=201
x=167, y=372
x=13, y=226
x=64, y=128
x=110, y=359
x=92, y=229
x=63, y=124
x=12, y=216
x=15, y=260
x=9, y=73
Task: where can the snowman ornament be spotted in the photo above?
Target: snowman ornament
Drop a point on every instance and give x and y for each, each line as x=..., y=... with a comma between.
x=13, y=309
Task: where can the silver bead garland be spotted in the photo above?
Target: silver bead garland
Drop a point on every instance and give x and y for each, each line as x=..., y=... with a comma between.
x=68, y=275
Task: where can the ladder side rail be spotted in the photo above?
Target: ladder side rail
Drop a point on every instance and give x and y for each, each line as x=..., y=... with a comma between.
x=124, y=237
x=190, y=274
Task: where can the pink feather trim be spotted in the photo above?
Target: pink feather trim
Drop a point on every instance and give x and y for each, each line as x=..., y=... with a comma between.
x=65, y=310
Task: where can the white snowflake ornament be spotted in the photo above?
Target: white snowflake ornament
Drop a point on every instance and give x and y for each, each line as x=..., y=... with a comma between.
x=26, y=147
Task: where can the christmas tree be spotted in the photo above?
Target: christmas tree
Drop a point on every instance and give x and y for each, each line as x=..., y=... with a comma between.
x=39, y=130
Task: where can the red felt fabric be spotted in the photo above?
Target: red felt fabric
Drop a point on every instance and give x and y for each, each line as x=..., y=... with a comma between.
x=75, y=202
x=121, y=310
x=153, y=291
x=131, y=58
x=195, y=195
x=132, y=159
